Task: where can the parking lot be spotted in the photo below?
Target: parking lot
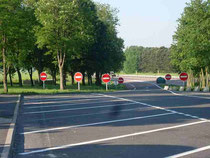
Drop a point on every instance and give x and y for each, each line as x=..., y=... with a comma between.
x=146, y=123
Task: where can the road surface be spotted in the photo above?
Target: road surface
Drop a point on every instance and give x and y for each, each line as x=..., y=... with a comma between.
x=144, y=122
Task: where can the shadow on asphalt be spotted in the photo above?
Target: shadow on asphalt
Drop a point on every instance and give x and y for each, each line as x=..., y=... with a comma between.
x=113, y=151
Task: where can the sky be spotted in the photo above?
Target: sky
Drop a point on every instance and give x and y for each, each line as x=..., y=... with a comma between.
x=148, y=23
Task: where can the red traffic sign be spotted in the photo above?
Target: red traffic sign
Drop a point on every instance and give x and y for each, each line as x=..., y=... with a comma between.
x=78, y=76
x=43, y=76
x=120, y=80
x=106, y=78
x=183, y=76
x=168, y=77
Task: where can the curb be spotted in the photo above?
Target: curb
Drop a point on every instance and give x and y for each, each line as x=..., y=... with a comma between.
x=11, y=132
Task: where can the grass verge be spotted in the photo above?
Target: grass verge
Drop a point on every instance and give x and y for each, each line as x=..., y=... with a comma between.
x=54, y=89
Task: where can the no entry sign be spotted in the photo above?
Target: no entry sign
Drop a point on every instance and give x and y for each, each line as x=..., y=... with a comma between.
x=78, y=76
x=168, y=77
x=43, y=76
x=183, y=76
x=120, y=80
x=106, y=78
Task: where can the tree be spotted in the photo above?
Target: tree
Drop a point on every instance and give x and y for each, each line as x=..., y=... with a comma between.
x=62, y=29
x=191, y=46
x=8, y=24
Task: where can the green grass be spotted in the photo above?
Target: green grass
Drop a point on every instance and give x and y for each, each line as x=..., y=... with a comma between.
x=52, y=89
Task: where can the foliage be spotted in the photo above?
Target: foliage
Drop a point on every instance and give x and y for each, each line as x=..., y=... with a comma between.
x=191, y=47
x=140, y=59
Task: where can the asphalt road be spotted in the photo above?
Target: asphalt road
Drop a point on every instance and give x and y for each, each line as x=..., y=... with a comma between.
x=7, y=106
x=144, y=122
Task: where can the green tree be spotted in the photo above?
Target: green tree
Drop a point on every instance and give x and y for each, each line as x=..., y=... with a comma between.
x=191, y=46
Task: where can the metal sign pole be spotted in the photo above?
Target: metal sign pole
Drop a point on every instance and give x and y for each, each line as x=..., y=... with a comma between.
x=78, y=86
x=106, y=86
x=43, y=84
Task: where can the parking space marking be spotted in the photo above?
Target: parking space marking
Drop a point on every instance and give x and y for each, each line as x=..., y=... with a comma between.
x=97, y=123
x=112, y=138
x=32, y=103
x=157, y=107
x=190, y=152
x=91, y=114
x=74, y=109
x=60, y=105
x=28, y=100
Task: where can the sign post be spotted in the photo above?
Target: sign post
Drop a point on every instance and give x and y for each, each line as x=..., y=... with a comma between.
x=106, y=79
x=43, y=77
x=78, y=77
x=168, y=77
x=183, y=76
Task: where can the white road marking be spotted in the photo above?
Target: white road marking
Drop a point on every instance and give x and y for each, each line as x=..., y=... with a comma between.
x=56, y=101
x=191, y=96
x=190, y=152
x=157, y=107
x=28, y=100
x=97, y=123
x=72, y=116
x=60, y=105
x=132, y=86
x=110, y=138
x=74, y=109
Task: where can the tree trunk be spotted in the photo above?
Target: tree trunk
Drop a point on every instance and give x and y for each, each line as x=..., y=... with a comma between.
x=30, y=71
x=61, y=59
x=53, y=73
x=90, y=79
x=19, y=77
x=72, y=78
x=98, y=79
x=83, y=79
x=4, y=66
x=64, y=78
x=61, y=78
x=10, y=78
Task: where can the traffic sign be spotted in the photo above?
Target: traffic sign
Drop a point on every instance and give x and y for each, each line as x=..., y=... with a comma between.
x=168, y=77
x=106, y=78
x=120, y=80
x=78, y=76
x=183, y=76
x=43, y=76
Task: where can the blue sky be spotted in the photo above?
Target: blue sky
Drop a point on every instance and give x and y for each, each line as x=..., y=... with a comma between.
x=149, y=23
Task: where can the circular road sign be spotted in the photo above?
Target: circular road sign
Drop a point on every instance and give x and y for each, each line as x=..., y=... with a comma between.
x=43, y=76
x=168, y=77
x=183, y=76
x=106, y=78
x=78, y=76
x=120, y=80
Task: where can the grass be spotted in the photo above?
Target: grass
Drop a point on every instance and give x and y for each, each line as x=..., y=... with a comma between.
x=54, y=89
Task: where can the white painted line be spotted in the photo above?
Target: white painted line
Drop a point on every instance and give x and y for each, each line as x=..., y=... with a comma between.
x=60, y=105
x=57, y=101
x=96, y=123
x=157, y=107
x=91, y=114
x=8, y=145
x=134, y=88
x=74, y=109
x=190, y=96
x=110, y=138
x=190, y=152
x=28, y=100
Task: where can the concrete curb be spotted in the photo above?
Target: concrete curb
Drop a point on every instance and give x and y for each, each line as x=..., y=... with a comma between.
x=8, y=145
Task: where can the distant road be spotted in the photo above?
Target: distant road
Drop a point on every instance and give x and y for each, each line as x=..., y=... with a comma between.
x=148, y=78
